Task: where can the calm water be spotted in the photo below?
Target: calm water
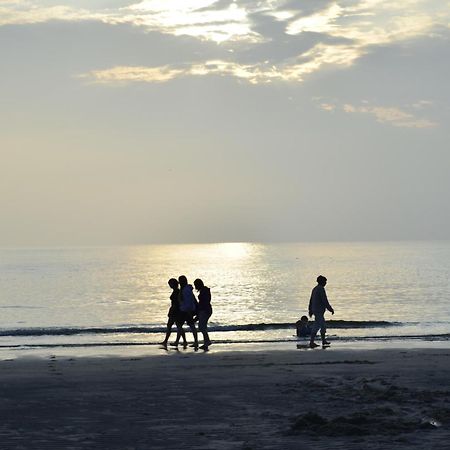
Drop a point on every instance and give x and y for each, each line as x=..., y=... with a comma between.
x=120, y=295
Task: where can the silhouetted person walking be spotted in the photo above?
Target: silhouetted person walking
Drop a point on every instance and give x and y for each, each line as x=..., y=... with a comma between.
x=188, y=308
x=204, y=311
x=174, y=312
x=318, y=304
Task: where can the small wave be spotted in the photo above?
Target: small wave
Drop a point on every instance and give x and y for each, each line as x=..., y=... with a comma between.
x=362, y=323
x=79, y=331
x=71, y=331
x=341, y=324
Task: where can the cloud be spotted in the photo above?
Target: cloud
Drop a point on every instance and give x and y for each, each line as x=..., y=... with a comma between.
x=177, y=17
x=327, y=106
x=26, y=12
x=317, y=35
x=321, y=22
x=264, y=72
x=252, y=73
x=124, y=74
x=421, y=104
x=391, y=115
x=192, y=18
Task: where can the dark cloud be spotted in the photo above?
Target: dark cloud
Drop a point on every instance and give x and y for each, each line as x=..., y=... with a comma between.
x=220, y=5
x=78, y=47
x=306, y=8
x=397, y=74
x=278, y=47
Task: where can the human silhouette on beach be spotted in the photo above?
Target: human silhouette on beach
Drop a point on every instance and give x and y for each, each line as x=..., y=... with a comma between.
x=303, y=327
x=174, y=312
x=204, y=311
x=188, y=309
x=318, y=304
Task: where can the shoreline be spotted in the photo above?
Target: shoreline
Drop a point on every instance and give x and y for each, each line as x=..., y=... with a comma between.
x=152, y=349
x=247, y=400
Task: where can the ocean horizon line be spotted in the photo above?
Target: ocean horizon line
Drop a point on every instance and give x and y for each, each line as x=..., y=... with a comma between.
x=157, y=244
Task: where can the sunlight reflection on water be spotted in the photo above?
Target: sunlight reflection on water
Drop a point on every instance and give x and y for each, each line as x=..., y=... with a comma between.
x=250, y=282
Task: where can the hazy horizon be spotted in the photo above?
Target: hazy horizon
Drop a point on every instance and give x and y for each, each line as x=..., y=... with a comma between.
x=128, y=122
x=200, y=243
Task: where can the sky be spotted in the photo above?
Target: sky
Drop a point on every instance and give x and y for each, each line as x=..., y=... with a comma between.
x=175, y=121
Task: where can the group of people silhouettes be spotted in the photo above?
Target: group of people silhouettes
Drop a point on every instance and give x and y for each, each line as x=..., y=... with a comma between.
x=186, y=309
x=318, y=304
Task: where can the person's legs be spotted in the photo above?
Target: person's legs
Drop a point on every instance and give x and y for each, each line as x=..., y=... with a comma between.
x=170, y=323
x=323, y=330
x=183, y=335
x=319, y=323
x=191, y=323
x=180, y=332
x=203, y=317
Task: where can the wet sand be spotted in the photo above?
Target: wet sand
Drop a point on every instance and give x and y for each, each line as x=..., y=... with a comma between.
x=297, y=399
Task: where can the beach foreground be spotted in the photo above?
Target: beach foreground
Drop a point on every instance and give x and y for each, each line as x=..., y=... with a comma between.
x=353, y=399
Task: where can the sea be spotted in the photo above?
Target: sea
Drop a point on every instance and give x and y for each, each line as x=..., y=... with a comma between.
x=97, y=301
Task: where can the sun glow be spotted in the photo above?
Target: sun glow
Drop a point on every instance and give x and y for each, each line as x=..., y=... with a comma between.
x=196, y=18
x=236, y=250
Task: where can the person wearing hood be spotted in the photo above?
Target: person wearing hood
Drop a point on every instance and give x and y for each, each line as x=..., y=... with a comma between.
x=188, y=309
x=204, y=311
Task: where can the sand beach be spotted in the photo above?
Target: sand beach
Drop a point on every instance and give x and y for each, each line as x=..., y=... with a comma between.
x=295, y=399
